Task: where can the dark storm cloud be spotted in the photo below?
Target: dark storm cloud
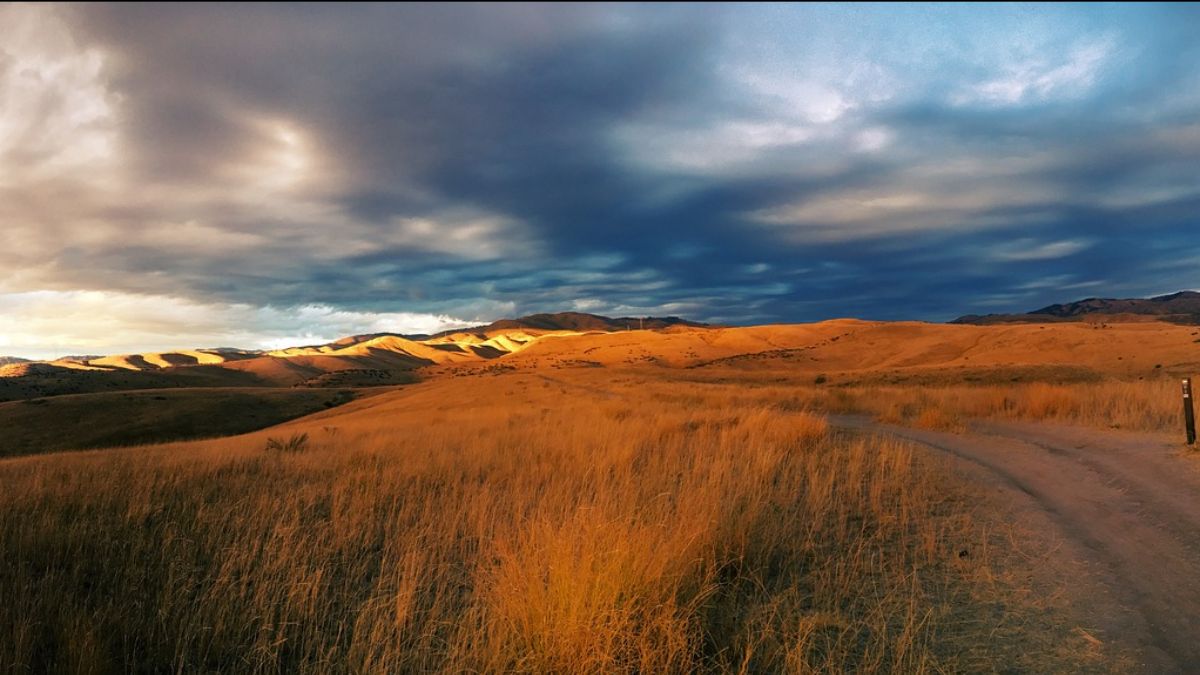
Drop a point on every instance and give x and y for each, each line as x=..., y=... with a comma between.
x=752, y=164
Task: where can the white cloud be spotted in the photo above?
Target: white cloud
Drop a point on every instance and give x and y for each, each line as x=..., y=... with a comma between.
x=818, y=91
x=923, y=201
x=1058, y=282
x=466, y=233
x=793, y=104
x=1042, y=77
x=873, y=139
x=590, y=305
x=196, y=236
x=47, y=324
x=1029, y=249
x=57, y=116
x=800, y=98
x=715, y=149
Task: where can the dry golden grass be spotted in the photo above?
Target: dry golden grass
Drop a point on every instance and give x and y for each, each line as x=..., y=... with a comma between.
x=1142, y=405
x=558, y=519
x=516, y=523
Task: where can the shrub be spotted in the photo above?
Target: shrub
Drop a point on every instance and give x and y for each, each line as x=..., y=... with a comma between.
x=297, y=443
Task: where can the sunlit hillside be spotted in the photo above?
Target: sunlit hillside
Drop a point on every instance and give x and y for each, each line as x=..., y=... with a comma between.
x=1107, y=375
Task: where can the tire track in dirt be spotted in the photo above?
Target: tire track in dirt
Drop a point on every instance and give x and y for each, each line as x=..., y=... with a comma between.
x=1126, y=506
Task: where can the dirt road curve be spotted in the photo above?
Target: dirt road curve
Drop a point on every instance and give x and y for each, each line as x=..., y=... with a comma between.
x=1125, y=507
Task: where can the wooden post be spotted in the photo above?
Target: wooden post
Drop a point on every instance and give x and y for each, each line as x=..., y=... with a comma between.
x=1189, y=416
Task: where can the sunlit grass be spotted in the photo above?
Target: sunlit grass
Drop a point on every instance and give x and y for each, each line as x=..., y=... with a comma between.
x=1143, y=405
x=505, y=526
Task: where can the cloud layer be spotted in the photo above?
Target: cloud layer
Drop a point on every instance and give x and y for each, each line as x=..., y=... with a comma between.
x=405, y=163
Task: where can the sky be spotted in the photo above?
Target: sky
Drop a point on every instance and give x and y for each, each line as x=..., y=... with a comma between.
x=267, y=175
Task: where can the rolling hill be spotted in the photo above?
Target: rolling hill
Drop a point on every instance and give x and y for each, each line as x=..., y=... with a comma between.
x=838, y=353
x=106, y=419
x=353, y=361
x=847, y=347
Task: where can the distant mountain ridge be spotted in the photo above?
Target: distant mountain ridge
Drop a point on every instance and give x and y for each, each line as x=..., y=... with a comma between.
x=9, y=360
x=579, y=321
x=1182, y=307
x=356, y=360
x=557, y=321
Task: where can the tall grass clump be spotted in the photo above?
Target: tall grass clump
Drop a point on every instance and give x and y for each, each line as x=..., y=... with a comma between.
x=295, y=443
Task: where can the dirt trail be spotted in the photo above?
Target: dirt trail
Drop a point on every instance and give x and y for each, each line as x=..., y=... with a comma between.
x=1123, y=508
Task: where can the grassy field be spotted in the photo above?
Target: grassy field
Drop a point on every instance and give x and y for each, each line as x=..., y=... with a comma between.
x=134, y=417
x=512, y=523
x=944, y=399
x=1145, y=405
